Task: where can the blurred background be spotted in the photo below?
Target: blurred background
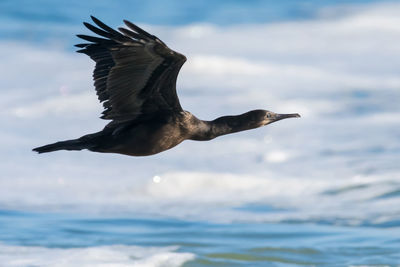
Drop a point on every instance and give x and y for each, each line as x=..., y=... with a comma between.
x=323, y=190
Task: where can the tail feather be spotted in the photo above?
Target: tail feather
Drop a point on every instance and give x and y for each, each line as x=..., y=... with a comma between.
x=75, y=144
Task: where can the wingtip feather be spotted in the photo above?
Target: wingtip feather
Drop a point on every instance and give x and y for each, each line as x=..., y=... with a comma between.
x=81, y=45
x=87, y=24
x=93, y=18
x=137, y=29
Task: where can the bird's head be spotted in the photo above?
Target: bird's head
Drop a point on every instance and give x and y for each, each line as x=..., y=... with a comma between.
x=264, y=117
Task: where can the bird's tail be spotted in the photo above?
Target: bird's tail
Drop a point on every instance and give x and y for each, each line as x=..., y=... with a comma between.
x=76, y=144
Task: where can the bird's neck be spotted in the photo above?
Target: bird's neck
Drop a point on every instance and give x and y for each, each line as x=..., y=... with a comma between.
x=207, y=130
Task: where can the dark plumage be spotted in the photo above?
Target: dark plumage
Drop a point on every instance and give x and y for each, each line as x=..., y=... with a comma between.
x=135, y=79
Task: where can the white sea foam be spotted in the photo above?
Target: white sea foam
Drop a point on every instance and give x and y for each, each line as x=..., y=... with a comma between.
x=116, y=256
x=214, y=196
x=340, y=160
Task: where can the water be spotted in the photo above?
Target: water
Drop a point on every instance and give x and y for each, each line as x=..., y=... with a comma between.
x=322, y=190
x=254, y=244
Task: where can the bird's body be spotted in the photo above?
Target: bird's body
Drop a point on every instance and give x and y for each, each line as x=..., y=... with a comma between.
x=146, y=138
x=135, y=79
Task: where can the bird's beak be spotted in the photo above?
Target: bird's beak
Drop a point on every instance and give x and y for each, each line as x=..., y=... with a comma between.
x=286, y=116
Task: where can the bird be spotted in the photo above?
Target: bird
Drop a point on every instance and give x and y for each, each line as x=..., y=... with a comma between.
x=135, y=78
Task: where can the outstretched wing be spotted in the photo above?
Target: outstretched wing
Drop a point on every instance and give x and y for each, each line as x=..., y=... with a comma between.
x=135, y=72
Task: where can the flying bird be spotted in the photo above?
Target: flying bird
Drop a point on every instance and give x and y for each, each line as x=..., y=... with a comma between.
x=135, y=79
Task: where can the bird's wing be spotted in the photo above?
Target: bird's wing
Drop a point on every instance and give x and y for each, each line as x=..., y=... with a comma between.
x=135, y=72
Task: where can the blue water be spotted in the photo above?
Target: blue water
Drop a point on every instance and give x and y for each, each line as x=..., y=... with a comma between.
x=323, y=190
x=27, y=20
x=238, y=244
x=168, y=12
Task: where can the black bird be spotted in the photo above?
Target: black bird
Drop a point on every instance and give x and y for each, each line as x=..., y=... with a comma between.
x=135, y=79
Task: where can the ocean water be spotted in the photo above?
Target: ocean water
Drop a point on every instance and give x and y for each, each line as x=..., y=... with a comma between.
x=323, y=190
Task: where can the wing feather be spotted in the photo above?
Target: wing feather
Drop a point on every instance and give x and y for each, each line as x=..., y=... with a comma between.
x=135, y=72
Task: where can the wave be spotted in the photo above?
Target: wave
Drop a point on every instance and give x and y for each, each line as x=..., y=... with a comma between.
x=116, y=255
x=218, y=197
